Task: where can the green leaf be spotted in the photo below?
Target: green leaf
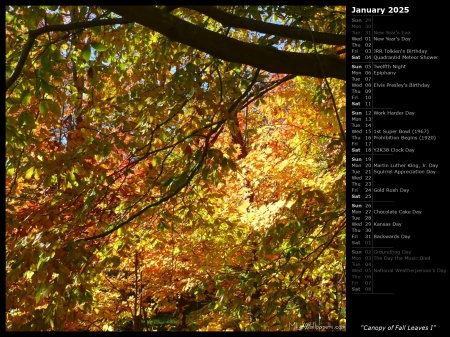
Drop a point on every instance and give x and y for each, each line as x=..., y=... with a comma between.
x=56, y=56
x=54, y=107
x=88, y=297
x=83, y=11
x=26, y=96
x=47, y=87
x=162, y=226
x=38, y=293
x=43, y=108
x=106, y=150
x=45, y=61
x=98, y=46
x=86, y=52
x=26, y=119
x=121, y=230
x=220, y=292
x=72, y=177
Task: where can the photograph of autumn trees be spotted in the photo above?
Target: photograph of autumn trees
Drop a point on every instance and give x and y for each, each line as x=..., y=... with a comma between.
x=175, y=168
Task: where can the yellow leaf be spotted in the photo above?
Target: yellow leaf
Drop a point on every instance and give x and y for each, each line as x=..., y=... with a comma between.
x=274, y=207
x=29, y=173
x=243, y=206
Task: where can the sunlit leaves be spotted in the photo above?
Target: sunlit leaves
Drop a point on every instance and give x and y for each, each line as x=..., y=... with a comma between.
x=127, y=190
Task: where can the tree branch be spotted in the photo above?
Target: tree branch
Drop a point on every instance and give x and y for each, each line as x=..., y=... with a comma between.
x=231, y=50
x=33, y=34
x=230, y=20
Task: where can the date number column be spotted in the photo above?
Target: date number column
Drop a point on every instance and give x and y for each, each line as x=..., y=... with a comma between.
x=360, y=182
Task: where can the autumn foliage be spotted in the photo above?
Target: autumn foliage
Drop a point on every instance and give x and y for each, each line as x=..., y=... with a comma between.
x=145, y=177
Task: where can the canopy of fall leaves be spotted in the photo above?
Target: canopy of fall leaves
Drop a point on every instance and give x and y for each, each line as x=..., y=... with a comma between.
x=188, y=160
